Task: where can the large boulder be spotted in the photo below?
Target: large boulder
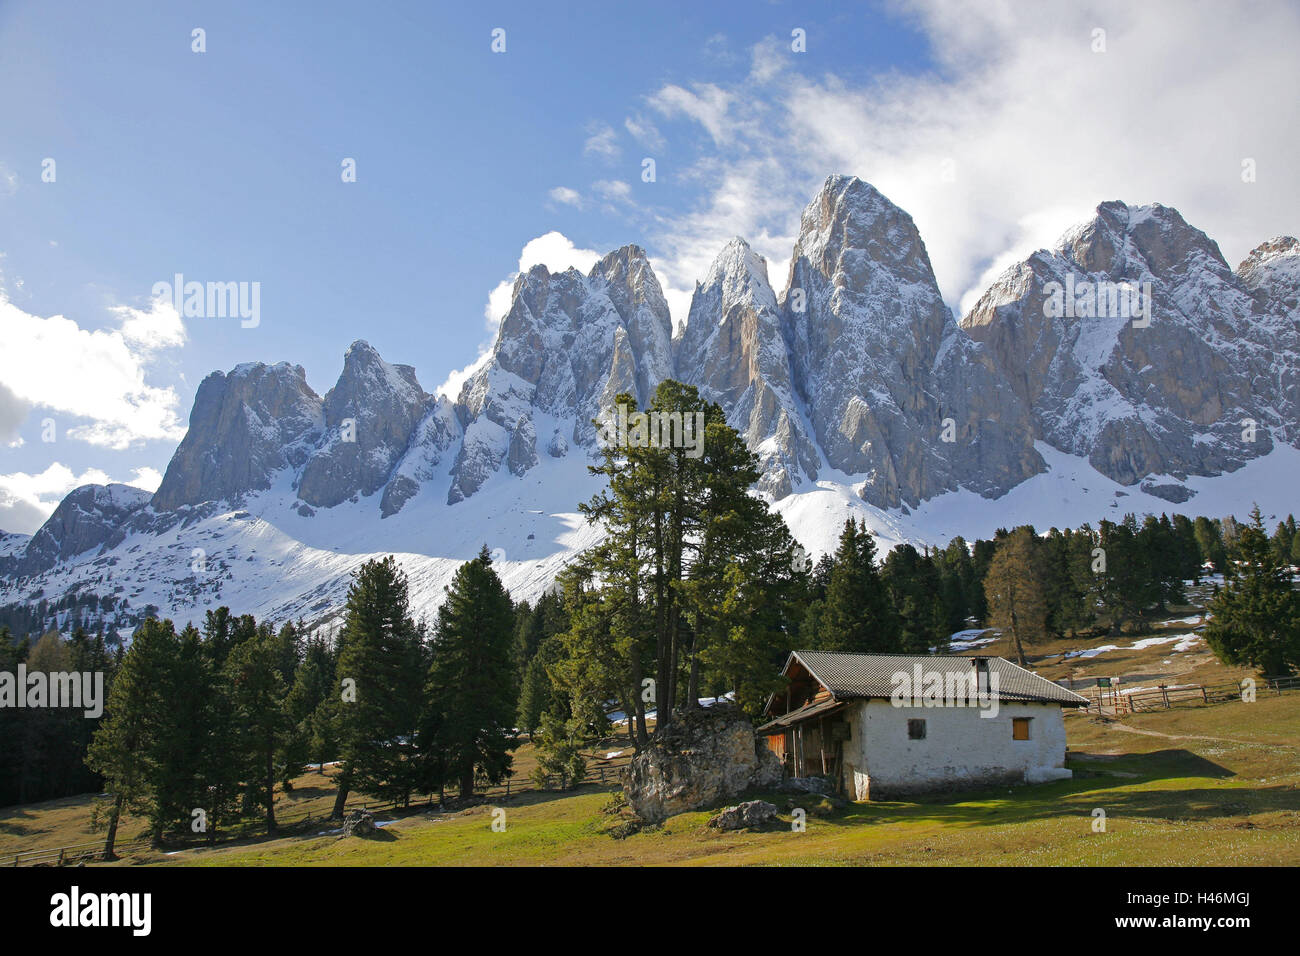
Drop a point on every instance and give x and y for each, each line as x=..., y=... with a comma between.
x=359, y=823
x=707, y=755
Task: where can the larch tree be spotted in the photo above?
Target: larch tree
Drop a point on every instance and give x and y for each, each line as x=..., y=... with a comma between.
x=1015, y=590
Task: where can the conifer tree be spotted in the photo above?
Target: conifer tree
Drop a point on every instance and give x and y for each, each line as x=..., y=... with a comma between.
x=914, y=587
x=1255, y=617
x=311, y=740
x=378, y=686
x=1017, y=593
x=534, y=697
x=135, y=746
x=1210, y=543
x=859, y=617
x=258, y=693
x=470, y=687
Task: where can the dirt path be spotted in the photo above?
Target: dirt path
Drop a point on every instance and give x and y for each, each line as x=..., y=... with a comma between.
x=1116, y=725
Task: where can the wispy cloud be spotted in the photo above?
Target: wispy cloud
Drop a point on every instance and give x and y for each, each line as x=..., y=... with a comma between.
x=566, y=196
x=602, y=141
x=1021, y=131
x=611, y=188
x=644, y=132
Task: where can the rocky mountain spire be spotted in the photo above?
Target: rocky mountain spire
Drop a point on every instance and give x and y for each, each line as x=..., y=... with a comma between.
x=244, y=427
x=1135, y=345
x=370, y=415
x=896, y=393
x=732, y=349
x=568, y=345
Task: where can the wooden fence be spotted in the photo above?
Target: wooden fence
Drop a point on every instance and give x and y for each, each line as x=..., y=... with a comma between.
x=1116, y=702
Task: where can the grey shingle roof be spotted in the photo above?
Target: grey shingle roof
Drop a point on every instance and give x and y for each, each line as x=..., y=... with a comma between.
x=872, y=675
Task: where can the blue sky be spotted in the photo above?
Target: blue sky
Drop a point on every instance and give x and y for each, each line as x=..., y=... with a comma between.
x=994, y=126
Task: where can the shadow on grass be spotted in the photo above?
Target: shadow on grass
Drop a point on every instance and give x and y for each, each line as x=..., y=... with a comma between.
x=10, y=824
x=1120, y=793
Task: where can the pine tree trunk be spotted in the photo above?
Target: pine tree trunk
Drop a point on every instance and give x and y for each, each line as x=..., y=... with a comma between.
x=467, y=783
x=270, y=791
x=111, y=838
x=1015, y=636
x=345, y=784
x=636, y=720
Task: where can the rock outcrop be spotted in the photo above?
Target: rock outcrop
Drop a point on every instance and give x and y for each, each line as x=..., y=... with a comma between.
x=244, y=428
x=370, y=416
x=359, y=823
x=705, y=756
x=568, y=346
x=1271, y=274
x=751, y=813
x=90, y=518
x=1163, y=388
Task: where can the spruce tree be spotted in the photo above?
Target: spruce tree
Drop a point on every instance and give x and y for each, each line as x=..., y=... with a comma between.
x=914, y=586
x=136, y=746
x=470, y=686
x=258, y=694
x=858, y=617
x=1255, y=617
x=1210, y=543
x=378, y=686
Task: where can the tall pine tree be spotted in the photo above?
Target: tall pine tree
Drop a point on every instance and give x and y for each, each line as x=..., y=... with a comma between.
x=470, y=687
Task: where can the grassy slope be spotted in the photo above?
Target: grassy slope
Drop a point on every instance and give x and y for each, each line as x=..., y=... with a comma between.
x=1169, y=800
x=1189, y=785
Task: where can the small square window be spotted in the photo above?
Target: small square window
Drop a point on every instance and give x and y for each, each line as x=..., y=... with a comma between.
x=1020, y=728
x=916, y=730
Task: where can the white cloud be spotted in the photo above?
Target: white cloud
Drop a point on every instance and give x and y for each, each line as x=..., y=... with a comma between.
x=98, y=375
x=612, y=188
x=13, y=411
x=602, y=141
x=159, y=327
x=644, y=132
x=146, y=478
x=555, y=251
x=1035, y=128
x=451, y=387
x=566, y=196
x=707, y=104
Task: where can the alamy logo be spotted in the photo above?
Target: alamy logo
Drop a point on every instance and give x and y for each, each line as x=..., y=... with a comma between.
x=1100, y=300
x=213, y=300
x=933, y=688
x=653, y=430
x=74, y=909
x=82, y=691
